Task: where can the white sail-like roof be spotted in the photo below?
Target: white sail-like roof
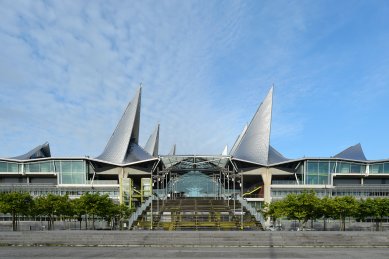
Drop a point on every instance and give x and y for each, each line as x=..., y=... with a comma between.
x=225, y=151
x=238, y=139
x=254, y=144
x=151, y=146
x=123, y=145
x=172, y=151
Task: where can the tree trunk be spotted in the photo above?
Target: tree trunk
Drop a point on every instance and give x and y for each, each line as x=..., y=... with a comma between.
x=93, y=221
x=324, y=224
x=86, y=221
x=14, y=226
x=377, y=225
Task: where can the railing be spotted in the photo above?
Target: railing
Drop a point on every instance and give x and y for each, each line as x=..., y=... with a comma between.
x=282, y=182
x=139, y=211
x=257, y=188
x=257, y=215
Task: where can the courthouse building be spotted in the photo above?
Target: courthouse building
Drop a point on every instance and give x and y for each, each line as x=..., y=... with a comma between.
x=253, y=169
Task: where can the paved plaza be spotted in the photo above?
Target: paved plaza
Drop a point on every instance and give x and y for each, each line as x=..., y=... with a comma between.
x=193, y=244
x=158, y=252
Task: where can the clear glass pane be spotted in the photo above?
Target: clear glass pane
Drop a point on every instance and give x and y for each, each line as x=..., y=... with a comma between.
x=3, y=167
x=66, y=166
x=34, y=167
x=356, y=168
x=13, y=167
x=78, y=166
x=46, y=167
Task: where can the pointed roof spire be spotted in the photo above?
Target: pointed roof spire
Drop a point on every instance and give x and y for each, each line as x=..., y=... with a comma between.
x=126, y=132
x=172, y=151
x=254, y=145
x=40, y=151
x=225, y=151
x=151, y=146
x=238, y=139
x=354, y=152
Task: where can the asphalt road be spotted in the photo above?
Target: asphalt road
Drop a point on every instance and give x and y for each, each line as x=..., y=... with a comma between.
x=158, y=252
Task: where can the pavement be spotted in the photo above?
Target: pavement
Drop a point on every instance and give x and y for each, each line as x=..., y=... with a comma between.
x=196, y=238
x=186, y=252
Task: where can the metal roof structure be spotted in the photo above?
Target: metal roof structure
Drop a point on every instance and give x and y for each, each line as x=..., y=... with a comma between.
x=123, y=146
x=354, y=152
x=40, y=151
x=254, y=144
x=238, y=139
x=172, y=151
x=151, y=146
x=275, y=156
x=225, y=151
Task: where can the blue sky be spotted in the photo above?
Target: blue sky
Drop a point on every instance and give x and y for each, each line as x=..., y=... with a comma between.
x=69, y=68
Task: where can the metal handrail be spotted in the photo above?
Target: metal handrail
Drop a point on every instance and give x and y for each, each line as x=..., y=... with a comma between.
x=139, y=211
x=257, y=215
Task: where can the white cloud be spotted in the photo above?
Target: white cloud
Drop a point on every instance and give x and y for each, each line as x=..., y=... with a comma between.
x=69, y=68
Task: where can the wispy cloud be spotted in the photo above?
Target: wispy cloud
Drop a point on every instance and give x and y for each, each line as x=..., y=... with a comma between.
x=69, y=68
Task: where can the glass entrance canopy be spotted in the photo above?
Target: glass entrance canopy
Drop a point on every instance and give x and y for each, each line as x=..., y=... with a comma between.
x=192, y=176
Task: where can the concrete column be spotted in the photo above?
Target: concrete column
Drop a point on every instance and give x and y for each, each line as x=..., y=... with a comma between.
x=266, y=178
x=122, y=175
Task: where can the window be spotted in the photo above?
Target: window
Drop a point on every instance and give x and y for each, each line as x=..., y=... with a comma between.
x=3, y=167
x=317, y=172
x=386, y=168
x=343, y=168
x=9, y=167
x=72, y=172
x=376, y=168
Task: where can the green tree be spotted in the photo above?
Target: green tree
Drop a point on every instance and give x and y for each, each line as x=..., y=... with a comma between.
x=16, y=203
x=78, y=210
x=378, y=208
x=96, y=205
x=302, y=207
x=52, y=206
x=120, y=213
x=325, y=210
x=343, y=207
x=274, y=210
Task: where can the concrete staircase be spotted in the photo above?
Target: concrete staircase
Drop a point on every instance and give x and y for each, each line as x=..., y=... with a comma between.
x=196, y=214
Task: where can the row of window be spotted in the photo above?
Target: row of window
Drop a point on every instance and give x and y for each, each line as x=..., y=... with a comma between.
x=46, y=166
x=355, y=193
x=70, y=172
x=318, y=172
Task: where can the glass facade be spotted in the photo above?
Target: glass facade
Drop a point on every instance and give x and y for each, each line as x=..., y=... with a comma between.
x=39, y=167
x=380, y=168
x=71, y=172
x=317, y=172
x=10, y=167
x=347, y=168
